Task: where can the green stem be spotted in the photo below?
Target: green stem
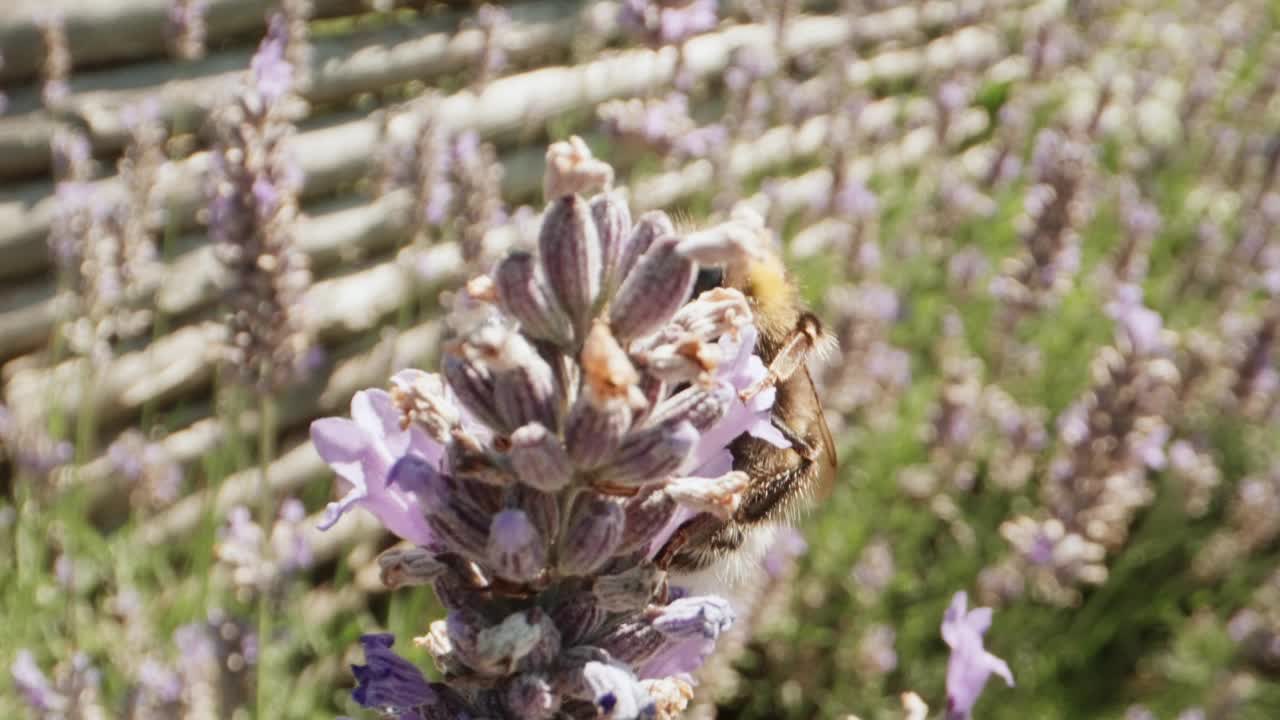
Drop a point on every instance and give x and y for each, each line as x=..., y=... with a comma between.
x=266, y=452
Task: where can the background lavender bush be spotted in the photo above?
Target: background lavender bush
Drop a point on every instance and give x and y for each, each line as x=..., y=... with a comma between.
x=1044, y=233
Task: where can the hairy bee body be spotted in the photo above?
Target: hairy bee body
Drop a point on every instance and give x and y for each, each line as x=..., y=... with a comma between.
x=781, y=479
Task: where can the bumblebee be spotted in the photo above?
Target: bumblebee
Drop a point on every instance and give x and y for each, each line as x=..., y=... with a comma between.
x=781, y=480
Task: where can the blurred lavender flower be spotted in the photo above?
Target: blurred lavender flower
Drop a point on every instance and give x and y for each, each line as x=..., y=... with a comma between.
x=215, y=661
x=158, y=692
x=876, y=653
x=424, y=167
x=493, y=21
x=252, y=187
x=874, y=570
x=56, y=68
x=34, y=685
x=140, y=168
x=667, y=22
x=542, y=502
x=73, y=693
x=186, y=28
x=1056, y=207
x=788, y=544
x=1114, y=434
x=297, y=47
x=479, y=181
x=260, y=563
x=662, y=125
x=970, y=665
x=31, y=449
x=156, y=478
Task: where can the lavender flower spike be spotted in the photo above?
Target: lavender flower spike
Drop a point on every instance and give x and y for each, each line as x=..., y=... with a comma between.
x=970, y=663
x=541, y=470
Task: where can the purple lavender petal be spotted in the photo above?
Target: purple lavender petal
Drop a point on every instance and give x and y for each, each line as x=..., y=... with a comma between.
x=970, y=665
x=388, y=681
x=741, y=370
x=363, y=452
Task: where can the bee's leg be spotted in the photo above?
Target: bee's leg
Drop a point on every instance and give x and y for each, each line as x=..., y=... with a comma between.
x=691, y=531
x=791, y=356
x=765, y=500
x=802, y=447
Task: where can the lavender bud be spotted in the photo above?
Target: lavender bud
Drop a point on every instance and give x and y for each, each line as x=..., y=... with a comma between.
x=646, y=514
x=571, y=258
x=538, y=458
x=544, y=652
x=633, y=642
x=524, y=385
x=460, y=639
x=571, y=169
x=456, y=510
x=680, y=360
x=630, y=590
x=702, y=407
x=531, y=697
x=407, y=567
x=650, y=295
x=542, y=508
x=523, y=294
x=438, y=643
x=452, y=591
x=617, y=693
x=733, y=242
x=594, y=532
x=502, y=646
x=516, y=549
x=651, y=226
x=595, y=428
x=706, y=617
x=602, y=414
x=473, y=385
x=651, y=454
x=710, y=315
x=613, y=225
x=578, y=616
x=718, y=496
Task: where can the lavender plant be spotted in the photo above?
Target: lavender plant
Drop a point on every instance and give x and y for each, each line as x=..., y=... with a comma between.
x=253, y=189
x=582, y=413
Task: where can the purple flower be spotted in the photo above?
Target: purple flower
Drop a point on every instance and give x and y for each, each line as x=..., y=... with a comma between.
x=665, y=23
x=618, y=694
x=691, y=626
x=272, y=72
x=740, y=369
x=388, y=681
x=788, y=544
x=970, y=663
x=34, y=685
x=363, y=450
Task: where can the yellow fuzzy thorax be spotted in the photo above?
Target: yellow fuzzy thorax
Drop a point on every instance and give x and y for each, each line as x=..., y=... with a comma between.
x=772, y=293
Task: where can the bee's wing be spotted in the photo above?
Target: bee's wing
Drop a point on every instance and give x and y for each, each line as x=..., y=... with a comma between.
x=827, y=461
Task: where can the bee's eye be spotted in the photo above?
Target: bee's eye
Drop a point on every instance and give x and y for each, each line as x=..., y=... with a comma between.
x=708, y=278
